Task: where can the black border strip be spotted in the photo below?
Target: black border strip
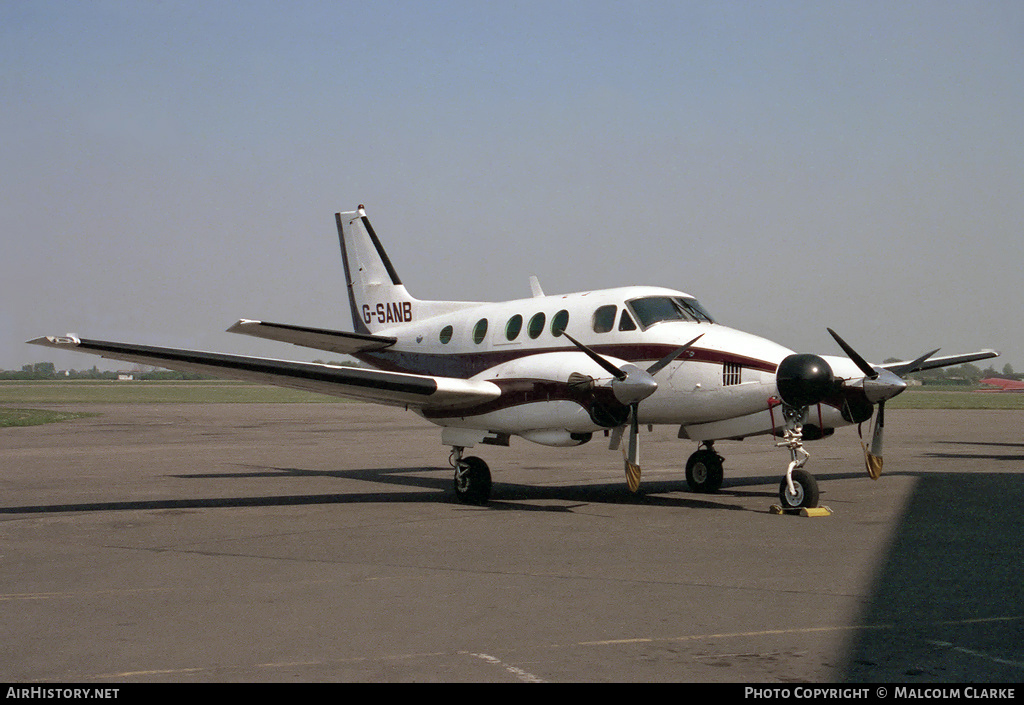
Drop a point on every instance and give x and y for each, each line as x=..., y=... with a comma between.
x=380, y=251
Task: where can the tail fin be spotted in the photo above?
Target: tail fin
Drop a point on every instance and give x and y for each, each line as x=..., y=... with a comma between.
x=377, y=297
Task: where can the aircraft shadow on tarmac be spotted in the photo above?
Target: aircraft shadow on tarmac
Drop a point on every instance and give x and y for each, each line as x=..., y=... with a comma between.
x=981, y=455
x=947, y=603
x=434, y=485
x=437, y=487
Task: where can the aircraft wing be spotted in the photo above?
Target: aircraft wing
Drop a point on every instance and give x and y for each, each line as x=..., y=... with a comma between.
x=317, y=338
x=393, y=388
x=936, y=362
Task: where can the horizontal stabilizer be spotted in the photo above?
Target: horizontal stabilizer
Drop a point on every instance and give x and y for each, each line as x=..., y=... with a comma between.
x=316, y=338
x=395, y=388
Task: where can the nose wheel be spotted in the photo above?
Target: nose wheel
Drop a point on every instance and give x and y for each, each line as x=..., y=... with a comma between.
x=804, y=491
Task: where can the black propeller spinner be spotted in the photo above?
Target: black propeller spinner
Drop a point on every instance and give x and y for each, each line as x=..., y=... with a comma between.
x=804, y=380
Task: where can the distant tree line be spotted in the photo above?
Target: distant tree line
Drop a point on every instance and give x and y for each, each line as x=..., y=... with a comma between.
x=47, y=370
x=966, y=374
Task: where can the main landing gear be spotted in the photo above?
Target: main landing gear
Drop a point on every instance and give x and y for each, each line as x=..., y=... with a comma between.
x=798, y=487
x=472, y=478
x=704, y=469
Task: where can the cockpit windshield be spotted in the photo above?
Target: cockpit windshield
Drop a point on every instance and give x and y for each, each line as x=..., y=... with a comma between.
x=655, y=309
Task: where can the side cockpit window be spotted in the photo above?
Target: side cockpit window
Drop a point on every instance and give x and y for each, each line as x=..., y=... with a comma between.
x=626, y=321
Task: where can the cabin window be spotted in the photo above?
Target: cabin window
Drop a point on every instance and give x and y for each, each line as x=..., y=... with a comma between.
x=446, y=335
x=514, y=325
x=604, y=318
x=480, y=331
x=558, y=322
x=536, y=326
x=626, y=321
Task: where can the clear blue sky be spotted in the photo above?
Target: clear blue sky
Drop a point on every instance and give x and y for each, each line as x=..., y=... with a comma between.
x=171, y=167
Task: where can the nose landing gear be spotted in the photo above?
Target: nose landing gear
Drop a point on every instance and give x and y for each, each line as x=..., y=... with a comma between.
x=798, y=488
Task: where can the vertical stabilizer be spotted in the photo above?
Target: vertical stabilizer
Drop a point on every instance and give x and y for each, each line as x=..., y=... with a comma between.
x=377, y=297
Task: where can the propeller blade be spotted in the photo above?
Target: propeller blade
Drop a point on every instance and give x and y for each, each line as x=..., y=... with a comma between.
x=876, y=437
x=913, y=366
x=867, y=369
x=873, y=457
x=633, y=457
x=600, y=360
x=660, y=364
x=615, y=438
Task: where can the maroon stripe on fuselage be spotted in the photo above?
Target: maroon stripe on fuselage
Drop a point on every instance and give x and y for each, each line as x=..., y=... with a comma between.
x=469, y=364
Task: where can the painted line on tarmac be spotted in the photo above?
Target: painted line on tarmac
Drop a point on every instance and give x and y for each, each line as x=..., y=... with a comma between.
x=519, y=673
x=529, y=677
x=777, y=632
x=978, y=654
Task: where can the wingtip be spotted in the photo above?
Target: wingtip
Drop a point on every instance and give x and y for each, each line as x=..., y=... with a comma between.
x=241, y=323
x=53, y=341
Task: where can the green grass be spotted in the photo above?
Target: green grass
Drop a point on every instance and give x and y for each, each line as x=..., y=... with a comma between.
x=35, y=417
x=944, y=398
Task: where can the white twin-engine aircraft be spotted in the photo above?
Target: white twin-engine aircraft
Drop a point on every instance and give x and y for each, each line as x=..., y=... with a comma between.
x=555, y=370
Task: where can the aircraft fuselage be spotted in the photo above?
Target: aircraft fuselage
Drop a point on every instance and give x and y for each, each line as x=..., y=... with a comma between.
x=727, y=374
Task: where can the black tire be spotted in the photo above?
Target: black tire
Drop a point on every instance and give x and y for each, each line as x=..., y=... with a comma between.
x=474, y=485
x=806, y=491
x=704, y=471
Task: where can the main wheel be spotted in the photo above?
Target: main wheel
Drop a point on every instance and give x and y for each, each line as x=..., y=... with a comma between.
x=472, y=481
x=704, y=471
x=806, y=494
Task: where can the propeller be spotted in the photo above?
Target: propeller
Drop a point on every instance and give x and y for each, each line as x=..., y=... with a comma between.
x=804, y=380
x=631, y=385
x=880, y=384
